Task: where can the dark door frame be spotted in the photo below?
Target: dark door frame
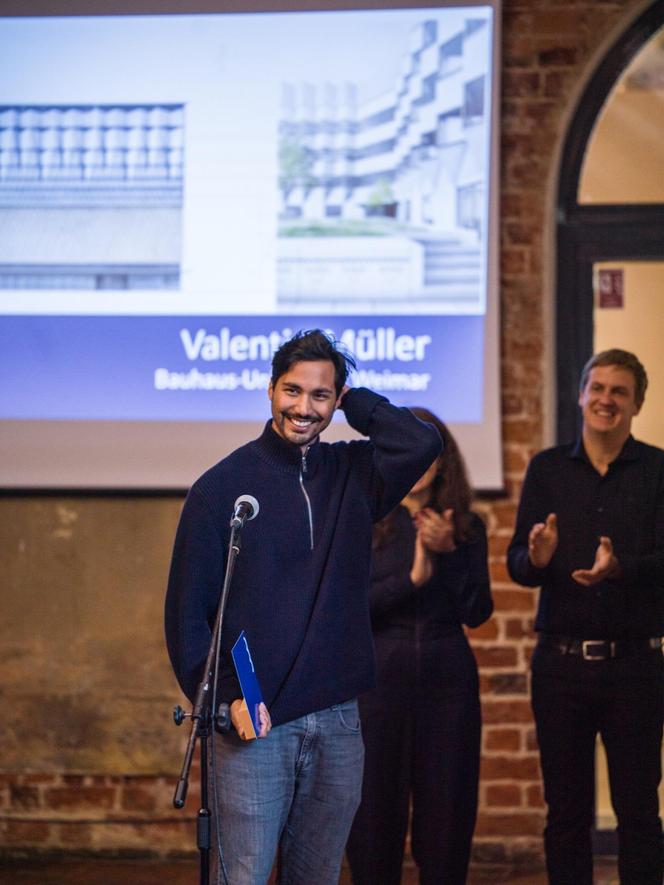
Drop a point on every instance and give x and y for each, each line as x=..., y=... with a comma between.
x=590, y=233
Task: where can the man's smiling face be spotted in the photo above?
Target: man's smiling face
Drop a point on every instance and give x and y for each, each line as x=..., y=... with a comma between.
x=303, y=401
x=608, y=401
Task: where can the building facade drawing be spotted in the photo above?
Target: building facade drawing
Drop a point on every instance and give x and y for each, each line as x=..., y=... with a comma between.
x=91, y=196
x=411, y=161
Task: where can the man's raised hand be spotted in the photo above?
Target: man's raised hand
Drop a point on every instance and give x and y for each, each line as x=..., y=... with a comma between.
x=542, y=541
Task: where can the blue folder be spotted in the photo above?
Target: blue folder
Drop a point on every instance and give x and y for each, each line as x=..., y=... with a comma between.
x=251, y=690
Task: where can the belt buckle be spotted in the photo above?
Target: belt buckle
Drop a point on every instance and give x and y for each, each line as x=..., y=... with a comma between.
x=589, y=656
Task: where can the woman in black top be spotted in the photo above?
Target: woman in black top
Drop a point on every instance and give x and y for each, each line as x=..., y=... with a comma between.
x=422, y=723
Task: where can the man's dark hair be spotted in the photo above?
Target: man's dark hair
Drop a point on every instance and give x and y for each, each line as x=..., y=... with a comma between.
x=624, y=360
x=310, y=346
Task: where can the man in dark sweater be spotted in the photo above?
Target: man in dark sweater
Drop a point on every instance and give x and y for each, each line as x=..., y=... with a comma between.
x=300, y=593
x=590, y=531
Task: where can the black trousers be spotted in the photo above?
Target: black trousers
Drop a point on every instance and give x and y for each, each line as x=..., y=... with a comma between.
x=621, y=699
x=421, y=730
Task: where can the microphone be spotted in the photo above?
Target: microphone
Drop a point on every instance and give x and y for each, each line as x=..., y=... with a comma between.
x=246, y=507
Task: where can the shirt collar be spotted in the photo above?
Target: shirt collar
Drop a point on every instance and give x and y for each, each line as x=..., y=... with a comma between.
x=629, y=452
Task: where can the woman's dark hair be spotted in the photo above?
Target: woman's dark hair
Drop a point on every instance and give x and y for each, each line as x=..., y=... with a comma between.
x=450, y=487
x=310, y=346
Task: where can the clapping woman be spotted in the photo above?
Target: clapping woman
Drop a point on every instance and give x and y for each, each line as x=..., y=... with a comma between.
x=422, y=723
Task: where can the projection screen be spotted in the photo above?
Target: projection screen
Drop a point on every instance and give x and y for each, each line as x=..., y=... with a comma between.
x=179, y=193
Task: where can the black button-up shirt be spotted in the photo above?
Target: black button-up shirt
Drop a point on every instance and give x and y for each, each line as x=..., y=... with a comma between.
x=627, y=505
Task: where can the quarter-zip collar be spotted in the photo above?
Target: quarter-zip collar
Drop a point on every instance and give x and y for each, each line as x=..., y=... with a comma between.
x=286, y=456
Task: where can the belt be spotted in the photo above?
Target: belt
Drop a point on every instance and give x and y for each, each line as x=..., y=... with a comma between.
x=597, y=649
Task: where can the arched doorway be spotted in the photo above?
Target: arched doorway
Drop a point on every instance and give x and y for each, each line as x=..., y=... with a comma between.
x=603, y=227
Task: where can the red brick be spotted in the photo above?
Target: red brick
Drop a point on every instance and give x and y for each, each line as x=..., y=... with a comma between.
x=27, y=832
x=505, y=513
x=555, y=19
x=517, y=628
x=502, y=739
x=560, y=56
x=503, y=768
x=542, y=113
x=513, y=261
x=522, y=375
x=498, y=544
x=23, y=797
x=535, y=796
x=145, y=780
x=498, y=572
x=558, y=84
x=525, y=853
x=512, y=405
x=509, y=824
x=72, y=798
x=517, y=20
x=531, y=740
x=30, y=777
x=508, y=683
x=503, y=796
x=487, y=630
x=77, y=780
x=138, y=799
x=75, y=835
x=506, y=712
x=521, y=234
x=525, y=174
x=519, y=83
x=520, y=430
x=515, y=460
x=495, y=656
x=514, y=600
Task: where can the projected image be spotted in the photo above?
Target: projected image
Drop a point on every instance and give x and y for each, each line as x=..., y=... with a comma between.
x=179, y=194
x=383, y=194
x=91, y=196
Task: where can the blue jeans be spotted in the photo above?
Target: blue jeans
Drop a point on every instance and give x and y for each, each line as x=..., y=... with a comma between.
x=297, y=789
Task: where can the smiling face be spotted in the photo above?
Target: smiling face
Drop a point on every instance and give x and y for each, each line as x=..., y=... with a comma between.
x=608, y=402
x=303, y=401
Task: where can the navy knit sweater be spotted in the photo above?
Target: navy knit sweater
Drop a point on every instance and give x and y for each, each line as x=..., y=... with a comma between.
x=300, y=585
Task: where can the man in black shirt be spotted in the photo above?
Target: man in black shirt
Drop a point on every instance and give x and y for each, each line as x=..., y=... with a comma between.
x=590, y=532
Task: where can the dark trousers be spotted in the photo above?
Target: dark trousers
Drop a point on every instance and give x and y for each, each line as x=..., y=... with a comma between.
x=622, y=700
x=422, y=740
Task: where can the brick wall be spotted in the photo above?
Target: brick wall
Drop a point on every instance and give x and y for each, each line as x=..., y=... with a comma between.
x=129, y=815
x=546, y=47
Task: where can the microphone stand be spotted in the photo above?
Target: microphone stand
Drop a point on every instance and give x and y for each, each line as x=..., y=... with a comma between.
x=202, y=718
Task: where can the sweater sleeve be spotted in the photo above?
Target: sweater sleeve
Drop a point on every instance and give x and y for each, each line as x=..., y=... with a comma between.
x=531, y=508
x=403, y=447
x=194, y=587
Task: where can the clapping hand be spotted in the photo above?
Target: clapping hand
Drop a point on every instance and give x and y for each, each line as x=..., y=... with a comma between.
x=605, y=566
x=434, y=534
x=436, y=530
x=542, y=541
